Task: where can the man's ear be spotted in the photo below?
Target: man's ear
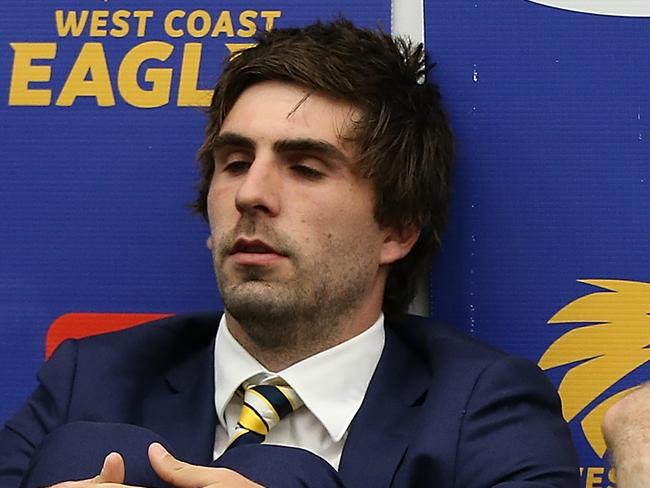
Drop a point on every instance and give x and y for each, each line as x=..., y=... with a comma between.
x=398, y=242
x=209, y=243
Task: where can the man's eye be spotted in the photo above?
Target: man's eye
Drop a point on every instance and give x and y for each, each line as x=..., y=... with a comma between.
x=236, y=167
x=306, y=171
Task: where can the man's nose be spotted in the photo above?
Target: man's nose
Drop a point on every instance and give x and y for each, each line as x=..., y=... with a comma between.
x=260, y=188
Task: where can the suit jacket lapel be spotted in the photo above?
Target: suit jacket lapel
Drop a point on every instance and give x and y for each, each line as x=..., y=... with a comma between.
x=381, y=430
x=181, y=407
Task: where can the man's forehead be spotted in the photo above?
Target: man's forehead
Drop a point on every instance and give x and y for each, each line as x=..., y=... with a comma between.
x=283, y=111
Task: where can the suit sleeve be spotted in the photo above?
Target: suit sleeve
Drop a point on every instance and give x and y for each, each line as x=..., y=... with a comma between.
x=513, y=434
x=44, y=410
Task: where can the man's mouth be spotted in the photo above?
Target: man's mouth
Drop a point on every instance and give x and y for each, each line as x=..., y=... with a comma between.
x=253, y=246
x=254, y=252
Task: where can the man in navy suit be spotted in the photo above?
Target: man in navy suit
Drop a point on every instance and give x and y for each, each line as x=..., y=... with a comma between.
x=325, y=180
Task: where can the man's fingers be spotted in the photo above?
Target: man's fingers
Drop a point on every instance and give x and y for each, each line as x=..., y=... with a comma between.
x=111, y=475
x=184, y=475
x=175, y=472
x=112, y=471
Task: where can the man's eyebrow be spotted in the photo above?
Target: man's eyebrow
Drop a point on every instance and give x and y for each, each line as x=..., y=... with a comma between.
x=315, y=146
x=307, y=145
x=231, y=139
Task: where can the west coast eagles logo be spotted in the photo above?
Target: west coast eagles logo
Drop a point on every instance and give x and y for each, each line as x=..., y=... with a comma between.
x=612, y=341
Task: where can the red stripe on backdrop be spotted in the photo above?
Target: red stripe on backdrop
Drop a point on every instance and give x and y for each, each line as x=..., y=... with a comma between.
x=77, y=325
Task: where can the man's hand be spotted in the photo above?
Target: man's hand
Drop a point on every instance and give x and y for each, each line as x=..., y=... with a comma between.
x=111, y=475
x=175, y=472
x=626, y=427
x=184, y=475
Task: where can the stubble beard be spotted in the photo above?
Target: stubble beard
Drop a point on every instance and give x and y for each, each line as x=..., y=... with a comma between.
x=305, y=312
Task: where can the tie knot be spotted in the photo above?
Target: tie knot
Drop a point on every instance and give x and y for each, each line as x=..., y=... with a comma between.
x=266, y=405
x=266, y=402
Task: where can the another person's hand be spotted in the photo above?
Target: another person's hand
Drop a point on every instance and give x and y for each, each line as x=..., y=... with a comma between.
x=626, y=427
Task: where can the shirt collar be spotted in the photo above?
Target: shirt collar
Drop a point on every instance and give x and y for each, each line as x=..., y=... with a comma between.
x=332, y=383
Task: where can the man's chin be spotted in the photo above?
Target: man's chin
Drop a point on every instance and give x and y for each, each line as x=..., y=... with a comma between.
x=251, y=293
x=259, y=300
x=241, y=275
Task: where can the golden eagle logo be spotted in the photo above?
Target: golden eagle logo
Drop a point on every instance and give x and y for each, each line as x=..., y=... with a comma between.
x=612, y=342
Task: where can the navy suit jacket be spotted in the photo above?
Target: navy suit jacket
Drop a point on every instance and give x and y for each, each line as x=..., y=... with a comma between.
x=441, y=410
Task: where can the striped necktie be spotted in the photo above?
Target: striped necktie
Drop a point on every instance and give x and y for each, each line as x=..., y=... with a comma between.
x=264, y=406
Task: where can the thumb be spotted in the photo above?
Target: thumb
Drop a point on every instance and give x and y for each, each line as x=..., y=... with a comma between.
x=112, y=471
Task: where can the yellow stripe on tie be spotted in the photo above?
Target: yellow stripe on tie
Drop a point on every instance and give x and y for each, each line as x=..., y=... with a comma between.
x=250, y=419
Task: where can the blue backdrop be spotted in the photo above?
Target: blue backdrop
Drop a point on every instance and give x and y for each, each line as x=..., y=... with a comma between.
x=550, y=110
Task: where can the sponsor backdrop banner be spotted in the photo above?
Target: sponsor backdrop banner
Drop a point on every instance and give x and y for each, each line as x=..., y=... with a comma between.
x=547, y=251
x=545, y=257
x=100, y=120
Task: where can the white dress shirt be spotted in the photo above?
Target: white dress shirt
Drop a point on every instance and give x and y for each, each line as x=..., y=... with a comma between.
x=332, y=384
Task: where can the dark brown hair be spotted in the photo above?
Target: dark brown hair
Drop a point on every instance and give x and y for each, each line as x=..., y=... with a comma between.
x=405, y=145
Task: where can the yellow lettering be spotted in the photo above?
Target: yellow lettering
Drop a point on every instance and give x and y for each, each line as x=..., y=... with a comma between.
x=98, y=23
x=270, y=16
x=143, y=17
x=612, y=476
x=237, y=47
x=170, y=30
x=71, y=24
x=223, y=25
x=594, y=477
x=246, y=20
x=205, y=19
x=188, y=94
x=23, y=72
x=160, y=78
x=88, y=78
x=121, y=28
